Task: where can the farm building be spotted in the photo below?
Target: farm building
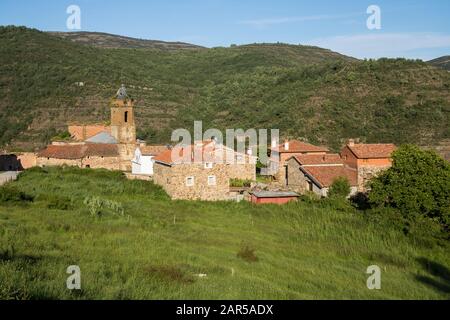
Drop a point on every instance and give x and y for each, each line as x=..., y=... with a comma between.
x=273, y=197
x=287, y=150
x=316, y=173
x=367, y=159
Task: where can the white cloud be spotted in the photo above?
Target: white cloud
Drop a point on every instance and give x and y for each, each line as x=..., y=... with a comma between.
x=261, y=23
x=378, y=45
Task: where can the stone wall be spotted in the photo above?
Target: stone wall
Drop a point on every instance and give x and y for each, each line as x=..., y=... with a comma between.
x=296, y=181
x=96, y=162
x=366, y=173
x=42, y=162
x=173, y=180
x=17, y=162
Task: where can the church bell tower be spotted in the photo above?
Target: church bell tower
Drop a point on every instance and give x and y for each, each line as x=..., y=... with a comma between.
x=123, y=128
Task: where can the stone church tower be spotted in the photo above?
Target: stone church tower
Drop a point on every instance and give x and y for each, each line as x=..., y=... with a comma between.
x=123, y=128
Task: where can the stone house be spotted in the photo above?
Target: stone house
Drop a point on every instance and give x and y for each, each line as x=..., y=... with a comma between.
x=316, y=173
x=93, y=156
x=286, y=151
x=368, y=159
x=202, y=171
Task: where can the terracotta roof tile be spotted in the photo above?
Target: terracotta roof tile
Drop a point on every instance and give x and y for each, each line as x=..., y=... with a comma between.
x=318, y=159
x=153, y=150
x=326, y=175
x=210, y=153
x=102, y=150
x=366, y=151
x=296, y=146
x=63, y=152
x=79, y=151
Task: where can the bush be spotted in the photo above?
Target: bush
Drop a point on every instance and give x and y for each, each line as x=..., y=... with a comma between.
x=240, y=183
x=59, y=203
x=340, y=188
x=9, y=194
x=418, y=183
x=247, y=253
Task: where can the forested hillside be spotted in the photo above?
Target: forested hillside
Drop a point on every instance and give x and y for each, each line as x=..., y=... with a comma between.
x=306, y=92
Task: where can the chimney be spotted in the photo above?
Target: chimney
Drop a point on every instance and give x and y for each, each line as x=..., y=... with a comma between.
x=286, y=145
x=351, y=142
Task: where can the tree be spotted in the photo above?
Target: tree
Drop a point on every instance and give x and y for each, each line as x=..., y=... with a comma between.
x=340, y=188
x=418, y=183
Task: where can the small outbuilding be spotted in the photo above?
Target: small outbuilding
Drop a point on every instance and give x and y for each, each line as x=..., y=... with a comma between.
x=274, y=197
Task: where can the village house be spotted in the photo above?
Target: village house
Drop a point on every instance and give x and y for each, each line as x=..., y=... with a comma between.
x=317, y=172
x=89, y=155
x=142, y=163
x=287, y=150
x=184, y=175
x=367, y=159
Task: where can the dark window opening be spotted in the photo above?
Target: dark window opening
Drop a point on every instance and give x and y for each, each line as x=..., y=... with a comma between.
x=126, y=116
x=88, y=166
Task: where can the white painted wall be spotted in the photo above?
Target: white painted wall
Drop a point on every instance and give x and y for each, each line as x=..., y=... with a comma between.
x=141, y=164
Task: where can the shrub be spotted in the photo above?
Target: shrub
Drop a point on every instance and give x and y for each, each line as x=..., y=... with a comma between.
x=340, y=188
x=59, y=203
x=9, y=194
x=240, y=183
x=418, y=183
x=247, y=253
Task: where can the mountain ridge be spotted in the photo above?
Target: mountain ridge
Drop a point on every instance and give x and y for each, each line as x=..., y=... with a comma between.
x=306, y=92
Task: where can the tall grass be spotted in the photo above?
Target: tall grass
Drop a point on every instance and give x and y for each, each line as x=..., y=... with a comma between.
x=158, y=247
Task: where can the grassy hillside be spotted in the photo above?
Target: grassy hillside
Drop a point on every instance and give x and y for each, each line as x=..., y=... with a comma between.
x=307, y=92
x=442, y=62
x=105, y=40
x=141, y=245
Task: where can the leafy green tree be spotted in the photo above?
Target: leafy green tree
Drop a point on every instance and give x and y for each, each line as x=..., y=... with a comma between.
x=340, y=188
x=418, y=183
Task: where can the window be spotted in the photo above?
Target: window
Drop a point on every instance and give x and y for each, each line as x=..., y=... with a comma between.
x=211, y=180
x=126, y=116
x=189, y=181
x=208, y=165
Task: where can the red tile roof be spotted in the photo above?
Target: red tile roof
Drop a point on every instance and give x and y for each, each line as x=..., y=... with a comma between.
x=375, y=151
x=326, y=175
x=318, y=159
x=210, y=153
x=296, y=146
x=101, y=150
x=79, y=151
x=153, y=150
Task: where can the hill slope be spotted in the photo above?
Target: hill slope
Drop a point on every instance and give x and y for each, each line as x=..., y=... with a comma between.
x=304, y=91
x=442, y=62
x=106, y=40
x=157, y=247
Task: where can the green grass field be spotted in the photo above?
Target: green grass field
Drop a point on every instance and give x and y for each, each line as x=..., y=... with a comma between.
x=141, y=245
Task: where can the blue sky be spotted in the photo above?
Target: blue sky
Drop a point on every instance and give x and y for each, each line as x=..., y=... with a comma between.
x=412, y=29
